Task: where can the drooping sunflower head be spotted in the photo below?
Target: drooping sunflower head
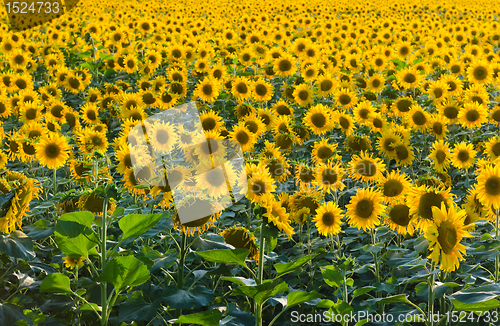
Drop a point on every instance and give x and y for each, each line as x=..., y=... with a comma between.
x=240, y=237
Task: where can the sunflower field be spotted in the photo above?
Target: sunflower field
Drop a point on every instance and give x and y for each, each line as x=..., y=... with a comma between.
x=369, y=192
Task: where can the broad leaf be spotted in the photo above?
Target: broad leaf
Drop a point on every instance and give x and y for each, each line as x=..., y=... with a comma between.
x=297, y=297
x=285, y=268
x=136, y=308
x=477, y=294
x=205, y=318
x=228, y=256
x=332, y=276
x=124, y=271
x=83, y=218
x=479, y=306
x=197, y=297
x=240, y=280
x=74, y=239
x=56, y=282
x=262, y=293
x=134, y=225
x=17, y=245
x=10, y=314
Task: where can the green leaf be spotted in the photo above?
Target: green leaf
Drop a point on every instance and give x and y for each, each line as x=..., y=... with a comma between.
x=39, y=230
x=480, y=306
x=194, y=298
x=262, y=293
x=10, y=314
x=477, y=294
x=86, y=54
x=17, y=245
x=205, y=318
x=297, y=297
x=332, y=276
x=228, y=256
x=105, y=56
x=271, y=236
x=134, y=225
x=136, y=308
x=57, y=282
x=285, y=268
x=74, y=239
x=83, y=218
x=393, y=299
x=124, y=271
x=359, y=292
x=240, y=280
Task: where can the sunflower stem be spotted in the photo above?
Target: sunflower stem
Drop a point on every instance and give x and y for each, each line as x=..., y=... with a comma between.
x=260, y=275
x=180, y=271
x=466, y=178
x=431, y=296
x=497, y=260
x=104, y=299
x=55, y=181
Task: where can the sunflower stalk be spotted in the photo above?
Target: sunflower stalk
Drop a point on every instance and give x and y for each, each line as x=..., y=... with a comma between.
x=430, y=320
x=260, y=275
x=377, y=266
x=497, y=260
x=180, y=271
x=104, y=299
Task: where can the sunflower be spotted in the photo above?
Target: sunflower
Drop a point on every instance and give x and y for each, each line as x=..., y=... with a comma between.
x=441, y=155
x=401, y=106
x=241, y=88
x=240, y=237
x=262, y=91
x=277, y=215
x=285, y=65
x=363, y=112
x=366, y=168
x=404, y=153
x=463, y=156
x=278, y=167
x=394, y=185
x=479, y=73
x=210, y=120
x=345, y=98
x=322, y=151
x=255, y=125
x=328, y=219
x=398, y=218
x=365, y=208
x=93, y=140
x=444, y=235
x=325, y=85
x=438, y=126
x=357, y=143
x=303, y=95
x=421, y=200
x=305, y=176
x=329, y=177
x=473, y=115
x=449, y=109
x=493, y=148
x=90, y=113
x=418, y=118
x=318, y=119
x=473, y=204
x=23, y=190
x=5, y=108
x=308, y=199
x=408, y=77
x=438, y=91
x=30, y=112
x=214, y=180
x=198, y=207
x=52, y=150
x=81, y=170
x=493, y=115
x=259, y=184
x=376, y=83
x=283, y=108
x=488, y=186
x=345, y=122
x=208, y=90
x=243, y=136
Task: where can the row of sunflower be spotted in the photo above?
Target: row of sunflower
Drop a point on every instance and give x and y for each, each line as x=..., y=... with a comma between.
x=345, y=119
